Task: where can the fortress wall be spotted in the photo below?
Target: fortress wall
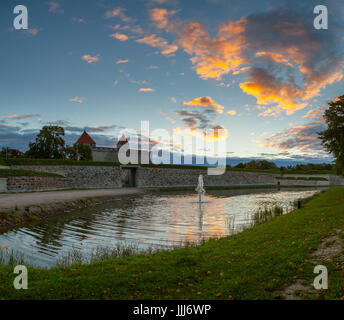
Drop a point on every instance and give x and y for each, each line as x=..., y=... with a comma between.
x=84, y=176
x=148, y=177
x=166, y=177
x=28, y=184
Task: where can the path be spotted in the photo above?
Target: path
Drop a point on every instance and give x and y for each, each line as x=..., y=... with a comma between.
x=12, y=200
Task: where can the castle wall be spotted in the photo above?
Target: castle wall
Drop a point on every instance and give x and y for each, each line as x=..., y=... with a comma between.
x=150, y=177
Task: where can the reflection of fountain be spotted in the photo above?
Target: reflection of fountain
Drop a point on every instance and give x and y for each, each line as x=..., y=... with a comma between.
x=200, y=188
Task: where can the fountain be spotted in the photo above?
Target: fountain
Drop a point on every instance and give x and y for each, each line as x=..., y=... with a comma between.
x=200, y=189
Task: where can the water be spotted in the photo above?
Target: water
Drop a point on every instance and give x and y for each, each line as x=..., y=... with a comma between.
x=152, y=219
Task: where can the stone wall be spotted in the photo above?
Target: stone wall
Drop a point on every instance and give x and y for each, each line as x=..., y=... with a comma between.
x=336, y=180
x=112, y=177
x=27, y=184
x=162, y=177
x=84, y=176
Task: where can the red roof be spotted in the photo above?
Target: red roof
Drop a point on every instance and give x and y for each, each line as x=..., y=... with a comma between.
x=86, y=139
x=122, y=141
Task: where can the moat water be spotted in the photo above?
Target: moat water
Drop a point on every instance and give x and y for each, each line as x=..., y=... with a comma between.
x=158, y=220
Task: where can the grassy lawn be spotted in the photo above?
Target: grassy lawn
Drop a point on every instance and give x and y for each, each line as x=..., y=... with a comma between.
x=65, y=162
x=5, y=173
x=250, y=265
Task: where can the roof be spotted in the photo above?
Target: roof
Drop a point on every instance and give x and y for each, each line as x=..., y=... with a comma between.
x=86, y=139
x=122, y=141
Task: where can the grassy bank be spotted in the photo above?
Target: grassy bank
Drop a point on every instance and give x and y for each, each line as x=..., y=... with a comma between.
x=66, y=162
x=251, y=265
x=5, y=173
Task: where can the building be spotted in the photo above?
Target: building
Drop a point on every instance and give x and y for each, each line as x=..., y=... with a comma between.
x=106, y=154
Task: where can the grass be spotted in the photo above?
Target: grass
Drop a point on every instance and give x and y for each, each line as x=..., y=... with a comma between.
x=249, y=265
x=65, y=162
x=303, y=178
x=266, y=214
x=5, y=173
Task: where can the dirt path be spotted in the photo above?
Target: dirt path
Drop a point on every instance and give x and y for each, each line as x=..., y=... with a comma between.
x=20, y=200
x=328, y=249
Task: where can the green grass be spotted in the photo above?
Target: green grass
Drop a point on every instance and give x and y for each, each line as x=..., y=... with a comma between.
x=249, y=265
x=5, y=173
x=303, y=178
x=65, y=162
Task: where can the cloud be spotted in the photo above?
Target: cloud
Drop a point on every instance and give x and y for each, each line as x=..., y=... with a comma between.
x=77, y=99
x=119, y=13
x=205, y=102
x=286, y=61
x=160, y=17
x=146, y=90
x=213, y=57
x=157, y=42
x=202, y=120
x=122, y=61
x=173, y=99
x=231, y=112
x=119, y=36
x=78, y=20
x=299, y=139
x=23, y=116
x=32, y=32
x=311, y=114
x=55, y=7
x=89, y=59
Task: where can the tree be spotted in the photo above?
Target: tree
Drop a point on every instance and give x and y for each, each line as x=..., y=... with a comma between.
x=79, y=152
x=333, y=137
x=11, y=153
x=49, y=144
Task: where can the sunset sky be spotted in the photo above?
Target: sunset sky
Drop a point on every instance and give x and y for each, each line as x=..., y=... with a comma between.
x=258, y=69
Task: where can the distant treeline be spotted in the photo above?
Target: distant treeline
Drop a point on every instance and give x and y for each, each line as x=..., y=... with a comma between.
x=267, y=165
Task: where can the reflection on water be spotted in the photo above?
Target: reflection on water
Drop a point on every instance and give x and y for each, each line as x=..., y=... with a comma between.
x=150, y=219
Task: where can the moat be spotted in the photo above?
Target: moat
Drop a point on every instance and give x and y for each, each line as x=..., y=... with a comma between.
x=151, y=220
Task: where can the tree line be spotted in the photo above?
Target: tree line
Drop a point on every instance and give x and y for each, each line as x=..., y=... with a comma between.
x=50, y=144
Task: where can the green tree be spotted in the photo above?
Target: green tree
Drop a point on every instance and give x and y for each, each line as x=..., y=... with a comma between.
x=79, y=152
x=333, y=137
x=49, y=144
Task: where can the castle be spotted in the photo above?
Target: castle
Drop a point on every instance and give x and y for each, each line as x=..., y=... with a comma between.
x=107, y=154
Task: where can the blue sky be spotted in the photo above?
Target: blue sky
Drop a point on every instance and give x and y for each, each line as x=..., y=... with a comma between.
x=257, y=69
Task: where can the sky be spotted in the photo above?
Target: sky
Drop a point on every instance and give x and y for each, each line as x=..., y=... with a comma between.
x=256, y=72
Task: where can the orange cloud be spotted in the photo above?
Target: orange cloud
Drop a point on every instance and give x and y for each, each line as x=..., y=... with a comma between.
x=146, y=90
x=89, y=59
x=213, y=57
x=122, y=61
x=32, y=32
x=205, y=102
x=157, y=42
x=160, y=17
x=23, y=116
x=231, y=112
x=119, y=36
